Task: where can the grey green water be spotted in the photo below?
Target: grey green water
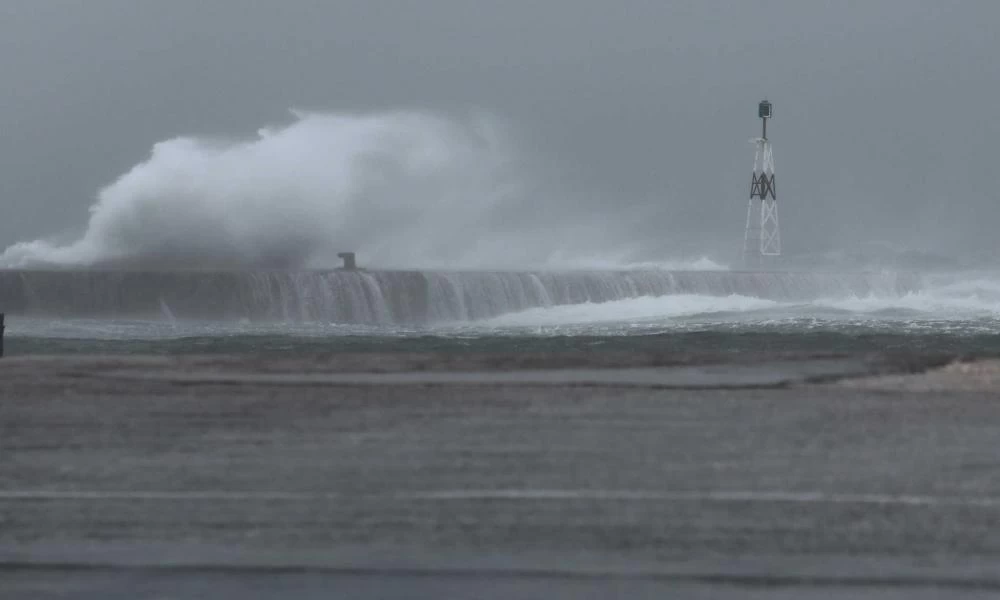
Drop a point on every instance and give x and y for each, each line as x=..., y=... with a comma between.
x=724, y=335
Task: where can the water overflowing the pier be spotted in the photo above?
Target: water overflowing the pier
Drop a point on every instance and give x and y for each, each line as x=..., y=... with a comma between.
x=398, y=297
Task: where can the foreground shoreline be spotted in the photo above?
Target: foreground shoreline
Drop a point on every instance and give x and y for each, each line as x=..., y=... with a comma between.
x=850, y=476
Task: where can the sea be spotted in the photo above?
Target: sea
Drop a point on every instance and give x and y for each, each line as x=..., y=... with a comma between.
x=262, y=493
x=720, y=313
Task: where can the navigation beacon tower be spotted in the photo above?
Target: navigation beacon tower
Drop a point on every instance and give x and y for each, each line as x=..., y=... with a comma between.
x=762, y=239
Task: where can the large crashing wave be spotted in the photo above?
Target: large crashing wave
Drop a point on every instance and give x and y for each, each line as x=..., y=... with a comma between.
x=402, y=189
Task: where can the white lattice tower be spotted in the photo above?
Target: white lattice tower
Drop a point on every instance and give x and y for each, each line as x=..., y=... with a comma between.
x=762, y=237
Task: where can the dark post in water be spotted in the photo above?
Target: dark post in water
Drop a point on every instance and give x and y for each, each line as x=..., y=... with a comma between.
x=1, y=334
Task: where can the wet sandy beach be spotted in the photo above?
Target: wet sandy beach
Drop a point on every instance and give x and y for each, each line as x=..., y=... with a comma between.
x=401, y=476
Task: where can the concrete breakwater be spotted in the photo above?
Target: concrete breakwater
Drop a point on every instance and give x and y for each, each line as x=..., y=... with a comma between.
x=398, y=297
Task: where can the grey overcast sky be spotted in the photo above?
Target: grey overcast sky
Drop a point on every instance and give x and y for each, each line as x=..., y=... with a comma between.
x=886, y=111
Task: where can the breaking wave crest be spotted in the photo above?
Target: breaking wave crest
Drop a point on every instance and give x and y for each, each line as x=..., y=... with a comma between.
x=972, y=299
x=401, y=189
x=633, y=310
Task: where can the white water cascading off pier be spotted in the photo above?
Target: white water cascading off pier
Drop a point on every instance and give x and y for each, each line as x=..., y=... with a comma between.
x=397, y=297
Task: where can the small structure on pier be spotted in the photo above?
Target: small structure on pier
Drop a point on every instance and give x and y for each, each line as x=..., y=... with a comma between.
x=350, y=263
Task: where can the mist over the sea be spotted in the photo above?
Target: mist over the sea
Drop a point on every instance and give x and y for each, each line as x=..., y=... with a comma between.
x=403, y=189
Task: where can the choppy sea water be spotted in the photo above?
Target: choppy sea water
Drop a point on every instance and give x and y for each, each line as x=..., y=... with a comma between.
x=960, y=317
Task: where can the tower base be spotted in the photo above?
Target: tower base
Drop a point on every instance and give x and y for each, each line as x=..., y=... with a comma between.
x=762, y=237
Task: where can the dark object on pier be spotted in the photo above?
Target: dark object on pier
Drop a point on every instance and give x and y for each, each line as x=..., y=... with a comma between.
x=1, y=333
x=349, y=261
